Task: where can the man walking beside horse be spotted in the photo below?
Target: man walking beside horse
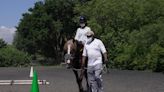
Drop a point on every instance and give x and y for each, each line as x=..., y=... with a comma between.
x=93, y=50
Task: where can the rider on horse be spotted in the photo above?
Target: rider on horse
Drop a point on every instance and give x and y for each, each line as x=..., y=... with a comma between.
x=82, y=30
x=80, y=36
x=74, y=49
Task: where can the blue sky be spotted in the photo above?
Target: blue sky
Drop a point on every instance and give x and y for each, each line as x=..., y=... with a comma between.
x=10, y=14
x=11, y=11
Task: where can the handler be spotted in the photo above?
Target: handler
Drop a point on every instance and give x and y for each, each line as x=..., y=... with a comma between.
x=93, y=50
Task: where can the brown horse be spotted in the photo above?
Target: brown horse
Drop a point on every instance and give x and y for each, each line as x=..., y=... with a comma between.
x=73, y=58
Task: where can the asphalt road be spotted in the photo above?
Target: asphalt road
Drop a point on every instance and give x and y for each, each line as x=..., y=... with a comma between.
x=63, y=80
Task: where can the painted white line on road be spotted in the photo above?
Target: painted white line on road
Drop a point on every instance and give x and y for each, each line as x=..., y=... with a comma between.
x=22, y=82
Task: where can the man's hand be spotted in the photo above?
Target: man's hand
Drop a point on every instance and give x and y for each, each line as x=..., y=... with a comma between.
x=105, y=61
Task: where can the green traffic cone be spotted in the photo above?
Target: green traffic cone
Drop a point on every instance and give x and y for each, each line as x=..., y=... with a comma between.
x=35, y=87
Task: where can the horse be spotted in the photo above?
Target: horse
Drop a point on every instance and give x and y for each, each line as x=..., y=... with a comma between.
x=73, y=59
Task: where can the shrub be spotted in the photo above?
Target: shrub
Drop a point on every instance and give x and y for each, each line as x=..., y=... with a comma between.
x=10, y=56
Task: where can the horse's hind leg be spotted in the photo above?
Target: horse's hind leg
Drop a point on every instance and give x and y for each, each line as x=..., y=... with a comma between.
x=79, y=82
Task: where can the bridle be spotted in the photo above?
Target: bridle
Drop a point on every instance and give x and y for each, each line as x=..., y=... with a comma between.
x=69, y=56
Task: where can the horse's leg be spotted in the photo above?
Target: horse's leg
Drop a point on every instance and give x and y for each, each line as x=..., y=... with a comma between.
x=79, y=82
x=87, y=84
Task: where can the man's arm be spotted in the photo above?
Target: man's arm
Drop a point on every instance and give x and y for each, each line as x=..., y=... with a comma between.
x=83, y=62
x=105, y=57
x=104, y=52
x=77, y=35
x=82, y=67
x=84, y=57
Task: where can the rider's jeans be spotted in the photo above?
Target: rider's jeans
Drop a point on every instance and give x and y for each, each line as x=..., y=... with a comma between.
x=95, y=77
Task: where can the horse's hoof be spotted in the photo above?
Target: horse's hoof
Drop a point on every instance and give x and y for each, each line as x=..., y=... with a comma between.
x=85, y=91
x=68, y=67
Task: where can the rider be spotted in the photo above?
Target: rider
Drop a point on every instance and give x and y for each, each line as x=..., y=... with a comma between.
x=80, y=36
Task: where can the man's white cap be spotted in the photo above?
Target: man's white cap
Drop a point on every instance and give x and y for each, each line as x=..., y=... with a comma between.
x=89, y=33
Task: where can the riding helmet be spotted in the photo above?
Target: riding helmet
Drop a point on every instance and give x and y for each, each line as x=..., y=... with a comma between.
x=82, y=19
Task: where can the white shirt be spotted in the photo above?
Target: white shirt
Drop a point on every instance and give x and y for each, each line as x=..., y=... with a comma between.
x=80, y=34
x=93, y=52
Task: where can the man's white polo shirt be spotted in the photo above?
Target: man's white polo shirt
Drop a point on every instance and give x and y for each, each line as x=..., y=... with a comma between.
x=93, y=52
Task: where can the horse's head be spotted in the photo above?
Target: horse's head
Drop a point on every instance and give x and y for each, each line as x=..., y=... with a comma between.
x=70, y=50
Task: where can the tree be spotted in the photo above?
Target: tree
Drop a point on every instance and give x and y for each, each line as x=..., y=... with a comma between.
x=43, y=28
x=2, y=43
x=132, y=30
x=128, y=28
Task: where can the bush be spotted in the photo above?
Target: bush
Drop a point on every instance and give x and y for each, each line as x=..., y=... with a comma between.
x=156, y=59
x=10, y=56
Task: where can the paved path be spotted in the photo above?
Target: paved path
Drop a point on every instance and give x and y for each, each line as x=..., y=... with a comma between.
x=63, y=80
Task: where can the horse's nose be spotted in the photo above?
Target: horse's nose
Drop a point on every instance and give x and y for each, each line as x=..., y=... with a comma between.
x=68, y=58
x=68, y=64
